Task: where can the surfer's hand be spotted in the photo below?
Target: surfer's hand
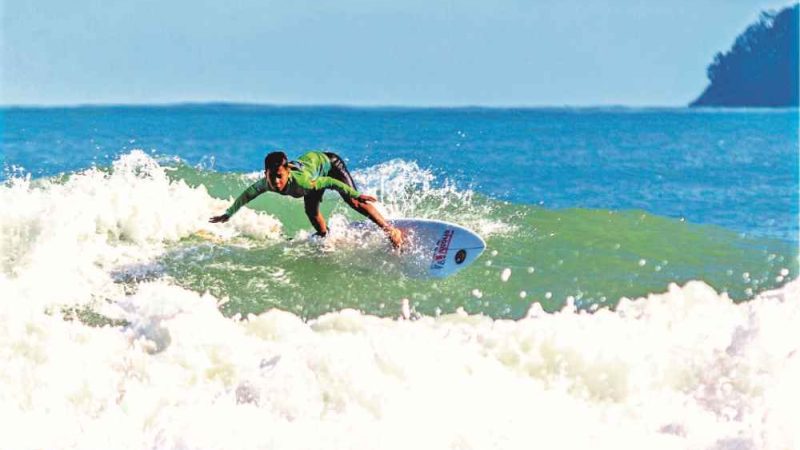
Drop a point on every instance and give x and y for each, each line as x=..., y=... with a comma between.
x=366, y=198
x=221, y=218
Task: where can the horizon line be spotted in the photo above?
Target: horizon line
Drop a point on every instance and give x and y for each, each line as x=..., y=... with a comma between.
x=227, y=103
x=321, y=104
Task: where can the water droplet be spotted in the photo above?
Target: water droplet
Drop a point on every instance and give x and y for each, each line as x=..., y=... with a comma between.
x=405, y=309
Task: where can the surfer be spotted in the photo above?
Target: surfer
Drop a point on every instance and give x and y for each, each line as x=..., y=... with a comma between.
x=309, y=177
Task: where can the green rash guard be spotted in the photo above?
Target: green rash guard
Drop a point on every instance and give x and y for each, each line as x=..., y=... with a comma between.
x=309, y=173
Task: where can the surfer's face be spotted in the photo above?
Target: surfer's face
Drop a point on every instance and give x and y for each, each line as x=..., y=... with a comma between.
x=278, y=179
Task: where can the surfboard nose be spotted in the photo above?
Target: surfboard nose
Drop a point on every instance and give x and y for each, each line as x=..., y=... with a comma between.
x=447, y=247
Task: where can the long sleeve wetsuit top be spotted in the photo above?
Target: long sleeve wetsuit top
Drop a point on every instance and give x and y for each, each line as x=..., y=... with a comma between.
x=309, y=173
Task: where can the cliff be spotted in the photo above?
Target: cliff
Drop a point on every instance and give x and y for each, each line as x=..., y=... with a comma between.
x=761, y=67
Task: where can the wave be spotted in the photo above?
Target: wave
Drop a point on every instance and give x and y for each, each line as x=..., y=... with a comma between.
x=129, y=321
x=96, y=232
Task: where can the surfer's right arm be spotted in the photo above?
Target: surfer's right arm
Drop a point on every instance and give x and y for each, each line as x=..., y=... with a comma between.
x=255, y=189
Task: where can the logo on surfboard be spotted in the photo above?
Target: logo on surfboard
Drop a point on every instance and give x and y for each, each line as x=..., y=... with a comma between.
x=442, y=246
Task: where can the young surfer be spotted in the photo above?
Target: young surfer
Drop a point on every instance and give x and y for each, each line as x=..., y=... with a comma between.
x=309, y=177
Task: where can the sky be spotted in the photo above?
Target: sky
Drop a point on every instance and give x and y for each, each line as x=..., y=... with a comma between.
x=365, y=52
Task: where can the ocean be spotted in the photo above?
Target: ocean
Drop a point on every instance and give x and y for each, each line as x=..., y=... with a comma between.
x=639, y=285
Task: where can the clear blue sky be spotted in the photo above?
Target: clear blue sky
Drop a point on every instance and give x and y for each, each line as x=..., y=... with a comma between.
x=365, y=52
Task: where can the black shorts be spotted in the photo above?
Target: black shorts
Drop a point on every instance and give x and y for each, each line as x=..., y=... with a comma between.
x=339, y=170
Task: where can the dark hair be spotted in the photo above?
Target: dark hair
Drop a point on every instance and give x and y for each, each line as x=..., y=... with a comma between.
x=274, y=160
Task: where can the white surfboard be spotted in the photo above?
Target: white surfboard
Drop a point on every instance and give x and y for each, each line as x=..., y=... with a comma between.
x=431, y=248
x=437, y=249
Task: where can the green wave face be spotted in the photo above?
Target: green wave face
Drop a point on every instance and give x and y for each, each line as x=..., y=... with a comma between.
x=589, y=258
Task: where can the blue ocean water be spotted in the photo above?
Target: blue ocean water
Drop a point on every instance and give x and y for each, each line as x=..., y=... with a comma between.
x=734, y=168
x=641, y=275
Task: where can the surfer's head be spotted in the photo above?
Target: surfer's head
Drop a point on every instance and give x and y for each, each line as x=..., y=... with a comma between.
x=276, y=170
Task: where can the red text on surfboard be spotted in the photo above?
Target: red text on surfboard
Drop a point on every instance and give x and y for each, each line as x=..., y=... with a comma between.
x=442, y=247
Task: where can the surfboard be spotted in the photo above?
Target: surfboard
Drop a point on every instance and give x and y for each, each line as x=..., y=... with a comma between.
x=431, y=248
x=437, y=249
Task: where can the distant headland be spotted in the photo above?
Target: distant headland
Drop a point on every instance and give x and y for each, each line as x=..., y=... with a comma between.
x=761, y=67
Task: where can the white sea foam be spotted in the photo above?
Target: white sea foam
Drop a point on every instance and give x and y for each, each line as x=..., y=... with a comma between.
x=683, y=369
x=407, y=190
x=59, y=240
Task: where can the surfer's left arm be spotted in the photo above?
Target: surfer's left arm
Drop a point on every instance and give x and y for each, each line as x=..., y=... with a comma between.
x=255, y=189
